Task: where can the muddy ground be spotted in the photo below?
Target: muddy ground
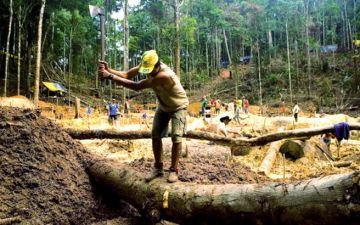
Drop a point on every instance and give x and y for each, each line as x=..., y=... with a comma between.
x=43, y=177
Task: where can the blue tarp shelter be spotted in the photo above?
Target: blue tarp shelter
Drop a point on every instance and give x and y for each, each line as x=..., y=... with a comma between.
x=328, y=48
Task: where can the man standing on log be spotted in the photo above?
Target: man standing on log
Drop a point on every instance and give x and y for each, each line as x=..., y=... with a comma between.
x=173, y=104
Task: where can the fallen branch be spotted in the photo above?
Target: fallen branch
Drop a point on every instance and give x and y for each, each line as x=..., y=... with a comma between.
x=218, y=139
x=342, y=164
x=303, y=202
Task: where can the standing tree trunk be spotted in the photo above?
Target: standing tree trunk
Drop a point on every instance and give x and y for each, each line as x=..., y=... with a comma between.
x=348, y=41
x=177, y=25
x=217, y=57
x=259, y=71
x=19, y=52
x=126, y=43
x=115, y=51
x=270, y=47
x=227, y=47
x=288, y=58
x=38, y=56
x=354, y=21
x=323, y=25
x=297, y=64
x=70, y=63
x=306, y=5
x=64, y=52
x=207, y=58
x=7, y=48
x=219, y=51
x=77, y=108
x=52, y=30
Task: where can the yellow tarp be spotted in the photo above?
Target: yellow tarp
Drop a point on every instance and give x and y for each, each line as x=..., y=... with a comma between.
x=357, y=43
x=54, y=86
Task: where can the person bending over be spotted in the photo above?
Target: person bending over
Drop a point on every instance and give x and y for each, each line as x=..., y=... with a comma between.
x=173, y=103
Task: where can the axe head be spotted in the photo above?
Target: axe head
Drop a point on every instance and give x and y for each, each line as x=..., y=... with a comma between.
x=95, y=11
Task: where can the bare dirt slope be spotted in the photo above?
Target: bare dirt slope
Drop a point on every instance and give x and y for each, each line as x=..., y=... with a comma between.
x=42, y=173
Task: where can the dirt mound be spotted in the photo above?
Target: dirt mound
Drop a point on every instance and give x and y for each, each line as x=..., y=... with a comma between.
x=42, y=175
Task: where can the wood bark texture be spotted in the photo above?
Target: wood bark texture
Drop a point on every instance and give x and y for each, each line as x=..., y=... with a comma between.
x=327, y=200
x=38, y=56
x=270, y=157
x=8, y=49
x=218, y=139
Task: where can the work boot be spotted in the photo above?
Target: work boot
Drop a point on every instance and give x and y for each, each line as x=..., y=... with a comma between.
x=156, y=172
x=173, y=175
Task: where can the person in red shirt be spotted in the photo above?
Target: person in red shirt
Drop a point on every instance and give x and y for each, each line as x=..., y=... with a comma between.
x=282, y=107
x=247, y=105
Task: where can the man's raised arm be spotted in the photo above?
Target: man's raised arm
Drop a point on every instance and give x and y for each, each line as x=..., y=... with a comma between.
x=124, y=74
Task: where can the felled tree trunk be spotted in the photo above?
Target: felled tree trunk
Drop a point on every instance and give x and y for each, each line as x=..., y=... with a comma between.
x=270, y=157
x=240, y=150
x=319, y=149
x=327, y=200
x=293, y=149
x=218, y=139
x=113, y=134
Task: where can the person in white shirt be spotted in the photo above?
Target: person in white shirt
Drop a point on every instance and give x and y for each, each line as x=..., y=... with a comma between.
x=219, y=128
x=296, y=111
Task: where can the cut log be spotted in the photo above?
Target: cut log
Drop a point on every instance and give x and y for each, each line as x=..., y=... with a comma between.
x=270, y=157
x=318, y=148
x=240, y=150
x=113, y=134
x=293, y=149
x=218, y=139
x=327, y=200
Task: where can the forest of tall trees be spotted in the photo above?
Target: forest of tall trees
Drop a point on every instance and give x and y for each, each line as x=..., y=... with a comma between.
x=295, y=48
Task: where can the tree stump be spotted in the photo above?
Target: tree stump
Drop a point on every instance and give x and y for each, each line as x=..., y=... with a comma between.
x=77, y=108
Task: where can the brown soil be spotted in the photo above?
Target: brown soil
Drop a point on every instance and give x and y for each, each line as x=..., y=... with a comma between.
x=207, y=164
x=42, y=175
x=43, y=179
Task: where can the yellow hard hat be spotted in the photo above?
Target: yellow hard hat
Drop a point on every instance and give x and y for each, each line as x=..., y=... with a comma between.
x=148, y=61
